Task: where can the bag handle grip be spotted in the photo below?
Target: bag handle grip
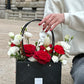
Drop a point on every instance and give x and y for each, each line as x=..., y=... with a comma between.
x=23, y=29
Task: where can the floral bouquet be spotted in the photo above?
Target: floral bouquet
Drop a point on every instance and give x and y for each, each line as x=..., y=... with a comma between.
x=41, y=51
x=31, y=58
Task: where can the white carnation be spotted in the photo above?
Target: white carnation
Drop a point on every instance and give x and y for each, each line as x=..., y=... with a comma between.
x=18, y=38
x=64, y=62
x=28, y=34
x=13, y=50
x=46, y=41
x=32, y=59
x=11, y=34
x=55, y=59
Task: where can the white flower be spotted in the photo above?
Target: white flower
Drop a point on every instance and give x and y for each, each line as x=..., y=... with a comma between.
x=48, y=48
x=28, y=34
x=11, y=34
x=32, y=59
x=67, y=37
x=18, y=38
x=65, y=45
x=55, y=59
x=41, y=43
x=13, y=50
x=9, y=43
x=16, y=42
x=64, y=62
x=46, y=41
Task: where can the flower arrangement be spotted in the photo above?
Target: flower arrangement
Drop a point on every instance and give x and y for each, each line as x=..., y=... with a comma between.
x=40, y=52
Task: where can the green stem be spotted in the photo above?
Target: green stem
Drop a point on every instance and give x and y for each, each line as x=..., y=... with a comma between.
x=28, y=40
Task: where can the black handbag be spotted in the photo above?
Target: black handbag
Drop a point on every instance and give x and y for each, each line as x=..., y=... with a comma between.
x=34, y=73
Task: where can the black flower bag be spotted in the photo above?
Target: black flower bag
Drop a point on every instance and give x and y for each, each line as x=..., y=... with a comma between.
x=34, y=73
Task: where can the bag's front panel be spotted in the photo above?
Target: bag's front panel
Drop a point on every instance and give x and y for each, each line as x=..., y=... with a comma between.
x=27, y=72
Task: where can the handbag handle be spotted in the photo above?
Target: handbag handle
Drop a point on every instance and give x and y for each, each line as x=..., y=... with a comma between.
x=23, y=29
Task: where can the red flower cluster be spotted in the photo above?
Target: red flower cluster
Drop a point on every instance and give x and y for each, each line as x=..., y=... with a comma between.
x=59, y=49
x=42, y=57
x=29, y=49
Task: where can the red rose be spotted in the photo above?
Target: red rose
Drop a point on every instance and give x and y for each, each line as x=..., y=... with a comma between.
x=42, y=47
x=50, y=51
x=29, y=50
x=59, y=49
x=50, y=45
x=42, y=57
x=12, y=44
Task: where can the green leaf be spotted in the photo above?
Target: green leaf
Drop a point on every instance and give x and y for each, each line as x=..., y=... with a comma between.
x=56, y=54
x=25, y=29
x=72, y=38
x=36, y=43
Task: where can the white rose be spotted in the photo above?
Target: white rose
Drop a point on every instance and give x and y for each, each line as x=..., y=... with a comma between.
x=28, y=34
x=55, y=59
x=64, y=62
x=18, y=38
x=32, y=59
x=46, y=41
x=11, y=34
x=13, y=50
x=48, y=48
